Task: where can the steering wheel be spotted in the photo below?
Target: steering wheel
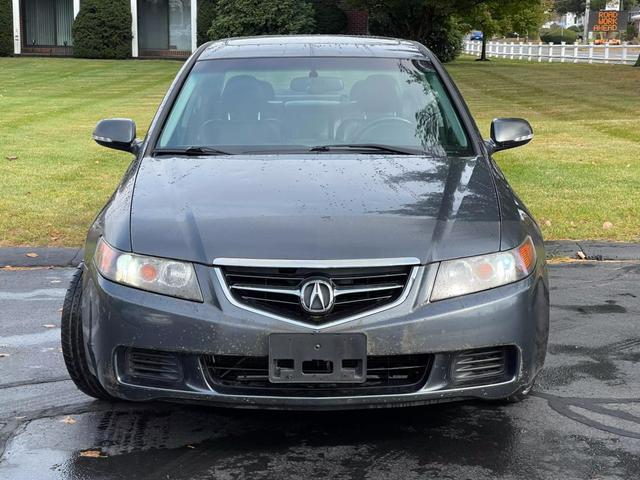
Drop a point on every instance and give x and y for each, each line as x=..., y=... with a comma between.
x=393, y=130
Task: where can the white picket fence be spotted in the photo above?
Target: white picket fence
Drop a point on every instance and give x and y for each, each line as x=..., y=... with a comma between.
x=548, y=52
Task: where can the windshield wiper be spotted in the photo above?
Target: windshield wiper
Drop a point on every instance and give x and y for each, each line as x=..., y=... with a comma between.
x=190, y=151
x=368, y=146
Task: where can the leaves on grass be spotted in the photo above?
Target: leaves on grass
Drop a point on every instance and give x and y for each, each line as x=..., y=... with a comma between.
x=11, y=157
x=547, y=223
x=69, y=420
x=607, y=225
x=92, y=454
x=32, y=255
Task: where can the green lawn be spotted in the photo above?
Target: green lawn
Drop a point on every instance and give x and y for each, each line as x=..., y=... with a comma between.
x=581, y=170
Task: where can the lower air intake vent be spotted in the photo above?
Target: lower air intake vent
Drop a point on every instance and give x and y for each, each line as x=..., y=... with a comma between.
x=250, y=376
x=153, y=365
x=482, y=366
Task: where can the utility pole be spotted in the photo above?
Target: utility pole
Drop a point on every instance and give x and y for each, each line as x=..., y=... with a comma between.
x=587, y=10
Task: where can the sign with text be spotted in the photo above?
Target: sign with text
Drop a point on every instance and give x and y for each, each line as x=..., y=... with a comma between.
x=607, y=21
x=613, y=5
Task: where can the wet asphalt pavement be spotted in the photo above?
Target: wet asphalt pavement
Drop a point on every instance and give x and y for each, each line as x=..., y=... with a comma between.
x=582, y=422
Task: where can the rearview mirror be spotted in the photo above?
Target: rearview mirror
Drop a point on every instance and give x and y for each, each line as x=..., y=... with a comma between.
x=116, y=133
x=509, y=133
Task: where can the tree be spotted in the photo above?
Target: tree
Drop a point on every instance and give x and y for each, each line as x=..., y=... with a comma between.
x=501, y=17
x=439, y=24
x=578, y=6
x=102, y=29
x=6, y=28
x=233, y=18
x=431, y=22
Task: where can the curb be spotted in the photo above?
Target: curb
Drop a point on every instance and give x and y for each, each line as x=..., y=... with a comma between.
x=593, y=250
x=40, y=257
x=71, y=257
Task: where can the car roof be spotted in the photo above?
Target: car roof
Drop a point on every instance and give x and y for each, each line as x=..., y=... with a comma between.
x=312, y=46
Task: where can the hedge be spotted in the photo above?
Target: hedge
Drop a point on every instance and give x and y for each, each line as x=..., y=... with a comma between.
x=206, y=14
x=329, y=17
x=102, y=29
x=235, y=18
x=558, y=35
x=6, y=28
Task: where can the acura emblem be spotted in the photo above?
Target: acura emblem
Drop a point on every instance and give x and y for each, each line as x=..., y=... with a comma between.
x=317, y=296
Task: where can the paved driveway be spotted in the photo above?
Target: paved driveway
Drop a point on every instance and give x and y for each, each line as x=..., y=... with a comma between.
x=583, y=421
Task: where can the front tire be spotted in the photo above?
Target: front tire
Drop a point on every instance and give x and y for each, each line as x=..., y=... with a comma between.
x=73, y=350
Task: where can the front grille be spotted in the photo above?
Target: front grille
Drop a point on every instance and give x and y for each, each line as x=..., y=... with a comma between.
x=250, y=376
x=277, y=290
x=153, y=365
x=483, y=365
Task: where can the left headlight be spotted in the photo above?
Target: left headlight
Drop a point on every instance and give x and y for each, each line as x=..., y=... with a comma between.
x=158, y=275
x=474, y=274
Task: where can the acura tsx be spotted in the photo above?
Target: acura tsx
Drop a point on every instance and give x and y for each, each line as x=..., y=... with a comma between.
x=311, y=222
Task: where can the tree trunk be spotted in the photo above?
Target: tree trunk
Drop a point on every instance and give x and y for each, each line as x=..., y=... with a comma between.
x=483, y=55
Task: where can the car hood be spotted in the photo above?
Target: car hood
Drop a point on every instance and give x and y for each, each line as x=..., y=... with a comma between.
x=314, y=207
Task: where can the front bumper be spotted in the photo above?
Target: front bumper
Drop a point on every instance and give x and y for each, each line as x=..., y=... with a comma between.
x=115, y=316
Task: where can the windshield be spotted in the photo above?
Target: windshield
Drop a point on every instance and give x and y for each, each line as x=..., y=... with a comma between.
x=285, y=104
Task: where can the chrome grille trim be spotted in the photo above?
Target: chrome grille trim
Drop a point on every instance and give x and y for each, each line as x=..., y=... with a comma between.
x=297, y=292
x=324, y=264
x=410, y=281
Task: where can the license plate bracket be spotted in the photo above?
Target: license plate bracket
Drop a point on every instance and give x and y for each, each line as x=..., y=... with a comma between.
x=317, y=357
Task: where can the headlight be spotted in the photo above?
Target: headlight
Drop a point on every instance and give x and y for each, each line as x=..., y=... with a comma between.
x=474, y=274
x=159, y=275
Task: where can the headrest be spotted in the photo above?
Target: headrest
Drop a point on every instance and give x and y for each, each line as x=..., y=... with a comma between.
x=244, y=97
x=378, y=93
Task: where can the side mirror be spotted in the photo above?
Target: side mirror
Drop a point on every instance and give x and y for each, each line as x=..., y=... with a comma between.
x=509, y=133
x=117, y=133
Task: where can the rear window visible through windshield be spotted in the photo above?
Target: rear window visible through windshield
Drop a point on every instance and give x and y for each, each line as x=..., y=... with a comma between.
x=280, y=104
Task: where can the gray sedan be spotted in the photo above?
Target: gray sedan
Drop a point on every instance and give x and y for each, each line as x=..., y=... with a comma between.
x=310, y=223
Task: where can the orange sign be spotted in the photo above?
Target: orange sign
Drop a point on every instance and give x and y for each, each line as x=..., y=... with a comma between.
x=607, y=22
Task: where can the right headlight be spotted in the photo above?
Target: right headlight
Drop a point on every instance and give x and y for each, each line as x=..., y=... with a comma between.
x=157, y=275
x=474, y=274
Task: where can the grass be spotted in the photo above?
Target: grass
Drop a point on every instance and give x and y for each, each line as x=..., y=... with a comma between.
x=581, y=170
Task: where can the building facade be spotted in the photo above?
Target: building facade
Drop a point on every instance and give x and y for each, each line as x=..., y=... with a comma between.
x=160, y=28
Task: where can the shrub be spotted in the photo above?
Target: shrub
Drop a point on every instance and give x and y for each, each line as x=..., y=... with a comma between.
x=445, y=39
x=6, y=28
x=235, y=18
x=558, y=35
x=443, y=35
x=102, y=29
x=206, y=14
x=329, y=17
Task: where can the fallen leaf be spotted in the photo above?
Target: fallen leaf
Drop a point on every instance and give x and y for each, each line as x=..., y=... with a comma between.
x=92, y=454
x=68, y=420
x=580, y=254
x=547, y=223
x=607, y=225
x=11, y=157
x=3, y=355
x=49, y=325
x=32, y=255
